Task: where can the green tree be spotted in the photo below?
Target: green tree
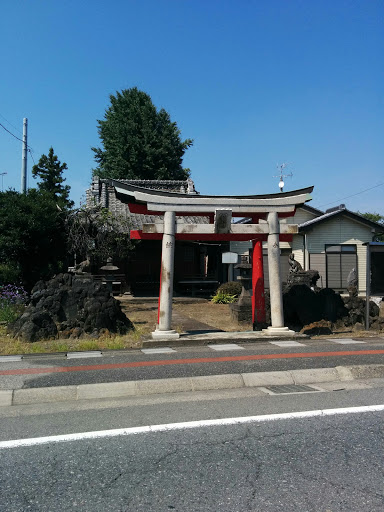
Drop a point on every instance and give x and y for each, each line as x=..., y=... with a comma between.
x=375, y=217
x=96, y=234
x=50, y=171
x=32, y=236
x=139, y=142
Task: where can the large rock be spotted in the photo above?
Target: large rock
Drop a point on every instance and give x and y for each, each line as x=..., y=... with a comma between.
x=70, y=306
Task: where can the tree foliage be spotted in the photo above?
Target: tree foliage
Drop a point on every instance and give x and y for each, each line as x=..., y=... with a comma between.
x=50, y=171
x=96, y=234
x=375, y=217
x=32, y=237
x=139, y=142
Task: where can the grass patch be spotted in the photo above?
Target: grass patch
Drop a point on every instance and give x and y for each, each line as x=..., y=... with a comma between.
x=10, y=346
x=10, y=312
x=143, y=320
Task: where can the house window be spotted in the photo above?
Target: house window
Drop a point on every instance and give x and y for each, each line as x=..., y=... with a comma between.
x=340, y=260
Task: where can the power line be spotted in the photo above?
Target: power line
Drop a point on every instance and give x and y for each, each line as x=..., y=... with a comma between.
x=13, y=126
x=21, y=140
x=352, y=195
x=33, y=160
x=29, y=149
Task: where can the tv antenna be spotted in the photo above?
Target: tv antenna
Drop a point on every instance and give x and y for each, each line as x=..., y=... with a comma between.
x=281, y=175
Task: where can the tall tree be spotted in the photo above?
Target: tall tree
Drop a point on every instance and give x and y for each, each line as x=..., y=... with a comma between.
x=96, y=233
x=50, y=171
x=32, y=236
x=139, y=142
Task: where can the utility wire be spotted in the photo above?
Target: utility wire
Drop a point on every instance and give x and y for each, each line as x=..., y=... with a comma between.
x=33, y=160
x=13, y=126
x=352, y=195
x=21, y=140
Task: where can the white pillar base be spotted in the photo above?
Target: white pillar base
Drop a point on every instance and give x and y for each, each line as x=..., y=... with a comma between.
x=165, y=335
x=278, y=331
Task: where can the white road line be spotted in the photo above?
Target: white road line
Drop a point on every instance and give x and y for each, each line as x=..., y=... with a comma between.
x=225, y=346
x=162, y=350
x=288, y=343
x=84, y=355
x=8, y=359
x=17, y=443
x=345, y=341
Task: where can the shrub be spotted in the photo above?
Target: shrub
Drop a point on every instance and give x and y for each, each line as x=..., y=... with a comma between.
x=230, y=288
x=223, y=298
x=12, y=301
x=8, y=274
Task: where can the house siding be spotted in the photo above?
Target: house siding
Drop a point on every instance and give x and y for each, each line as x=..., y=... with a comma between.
x=341, y=230
x=317, y=262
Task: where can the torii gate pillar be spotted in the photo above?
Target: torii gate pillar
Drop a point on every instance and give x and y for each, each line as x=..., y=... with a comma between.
x=274, y=272
x=163, y=328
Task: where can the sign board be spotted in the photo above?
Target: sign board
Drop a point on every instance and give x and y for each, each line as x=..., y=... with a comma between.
x=229, y=257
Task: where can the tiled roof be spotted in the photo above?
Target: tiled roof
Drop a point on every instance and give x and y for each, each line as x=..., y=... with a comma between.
x=379, y=228
x=319, y=219
x=102, y=193
x=165, y=185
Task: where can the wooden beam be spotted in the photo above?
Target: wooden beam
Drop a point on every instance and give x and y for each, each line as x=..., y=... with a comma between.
x=208, y=237
x=209, y=229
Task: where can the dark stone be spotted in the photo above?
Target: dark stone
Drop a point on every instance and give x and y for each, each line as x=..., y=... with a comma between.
x=306, y=277
x=352, y=283
x=35, y=326
x=297, y=275
x=69, y=306
x=241, y=312
x=332, y=304
x=317, y=328
x=302, y=306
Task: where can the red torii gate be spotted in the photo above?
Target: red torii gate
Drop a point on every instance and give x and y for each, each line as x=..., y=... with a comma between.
x=220, y=210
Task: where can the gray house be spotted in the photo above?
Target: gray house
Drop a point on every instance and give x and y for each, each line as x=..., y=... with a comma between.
x=331, y=242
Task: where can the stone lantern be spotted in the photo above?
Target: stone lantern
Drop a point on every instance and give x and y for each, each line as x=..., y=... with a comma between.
x=241, y=311
x=109, y=270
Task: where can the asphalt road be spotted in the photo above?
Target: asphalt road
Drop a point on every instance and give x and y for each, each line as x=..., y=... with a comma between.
x=48, y=371
x=321, y=463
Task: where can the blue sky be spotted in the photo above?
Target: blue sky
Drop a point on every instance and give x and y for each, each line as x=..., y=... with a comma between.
x=254, y=83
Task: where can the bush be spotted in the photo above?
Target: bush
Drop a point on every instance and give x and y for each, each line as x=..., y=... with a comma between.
x=223, y=298
x=230, y=288
x=8, y=274
x=12, y=301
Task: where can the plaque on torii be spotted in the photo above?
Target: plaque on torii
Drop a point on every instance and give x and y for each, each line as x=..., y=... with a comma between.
x=220, y=210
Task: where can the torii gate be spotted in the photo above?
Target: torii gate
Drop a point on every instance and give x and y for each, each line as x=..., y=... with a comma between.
x=220, y=210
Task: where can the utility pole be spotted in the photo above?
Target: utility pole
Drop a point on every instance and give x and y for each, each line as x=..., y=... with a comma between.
x=2, y=174
x=24, y=158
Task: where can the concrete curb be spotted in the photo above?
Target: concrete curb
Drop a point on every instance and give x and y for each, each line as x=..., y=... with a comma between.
x=218, y=337
x=177, y=385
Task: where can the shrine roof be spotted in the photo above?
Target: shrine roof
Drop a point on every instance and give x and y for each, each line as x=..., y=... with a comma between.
x=129, y=187
x=162, y=200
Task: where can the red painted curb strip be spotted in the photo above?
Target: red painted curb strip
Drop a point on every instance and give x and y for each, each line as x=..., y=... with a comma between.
x=64, y=369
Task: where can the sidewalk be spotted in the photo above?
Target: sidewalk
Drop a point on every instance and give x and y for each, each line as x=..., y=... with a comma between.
x=296, y=379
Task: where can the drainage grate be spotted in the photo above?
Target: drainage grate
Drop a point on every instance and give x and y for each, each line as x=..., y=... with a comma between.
x=291, y=388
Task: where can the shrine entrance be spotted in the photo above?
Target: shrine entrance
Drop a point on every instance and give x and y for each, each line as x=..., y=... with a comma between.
x=172, y=208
